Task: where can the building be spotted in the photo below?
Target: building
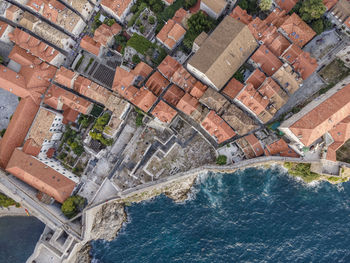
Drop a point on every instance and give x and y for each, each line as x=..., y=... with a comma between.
x=144, y=99
x=217, y=127
x=168, y=67
x=344, y=55
x=5, y=31
x=251, y=146
x=157, y=83
x=36, y=47
x=65, y=77
x=339, y=13
x=105, y=34
x=264, y=59
x=221, y=54
x=318, y=118
x=84, y=7
x=286, y=5
x=288, y=79
x=40, y=176
x=171, y=34
x=280, y=148
x=214, y=8
x=91, y=46
x=183, y=79
x=214, y=100
x=164, y=112
x=117, y=8
x=173, y=95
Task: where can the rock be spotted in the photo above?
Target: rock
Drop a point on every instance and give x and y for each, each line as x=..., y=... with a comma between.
x=108, y=221
x=83, y=256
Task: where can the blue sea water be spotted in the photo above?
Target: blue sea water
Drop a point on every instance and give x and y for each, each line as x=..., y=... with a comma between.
x=255, y=215
x=18, y=237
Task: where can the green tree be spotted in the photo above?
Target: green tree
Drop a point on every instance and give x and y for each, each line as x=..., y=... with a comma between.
x=243, y=4
x=138, y=22
x=221, y=160
x=265, y=5
x=151, y=20
x=6, y=201
x=1, y=59
x=139, y=119
x=136, y=59
x=317, y=26
x=142, y=29
x=311, y=10
x=190, y=3
x=2, y=132
x=73, y=205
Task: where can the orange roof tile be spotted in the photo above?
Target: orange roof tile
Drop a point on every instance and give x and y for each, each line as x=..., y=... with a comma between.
x=305, y=65
x=31, y=147
x=286, y=5
x=276, y=17
x=187, y=104
x=241, y=15
x=11, y=11
x=252, y=99
x=291, y=53
x=104, y=33
x=157, y=83
x=233, y=88
x=322, y=118
x=17, y=129
x=272, y=91
x=90, y=45
x=183, y=79
x=198, y=90
x=118, y=6
x=217, y=127
x=171, y=34
x=168, y=66
x=340, y=134
x=69, y=115
x=266, y=60
x=256, y=78
x=144, y=99
x=122, y=79
x=281, y=148
x=57, y=97
x=179, y=15
x=279, y=45
x=65, y=77
x=40, y=176
x=255, y=144
x=347, y=22
x=329, y=3
x=297, y=30
x=164, y=112
x=92, y=90
x=173, y=95
x=142, y=69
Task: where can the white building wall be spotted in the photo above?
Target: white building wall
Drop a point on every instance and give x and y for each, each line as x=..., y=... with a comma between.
x=5, y=36
x=201, y=76
x=209, y=11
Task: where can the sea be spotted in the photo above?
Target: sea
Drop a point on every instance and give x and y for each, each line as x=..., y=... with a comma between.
x=255, y=215
x=18, y=237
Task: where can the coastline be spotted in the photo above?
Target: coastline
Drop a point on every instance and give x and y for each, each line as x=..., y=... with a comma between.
x=12, y=211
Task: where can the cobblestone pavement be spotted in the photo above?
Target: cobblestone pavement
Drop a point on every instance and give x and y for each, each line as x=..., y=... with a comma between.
x=8, y=105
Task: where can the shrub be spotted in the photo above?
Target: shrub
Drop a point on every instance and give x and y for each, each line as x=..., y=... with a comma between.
x=312, y=9
x=142, y=29
x=73, y=205
x=139, y=43
x=138, y=22
x=6, y=201
x=151, y=20
x=136, y=59
x=139, y=119
x=221, y=160
x=2, y=132
x=189, y=3
x=317, y=26
x=265, y=5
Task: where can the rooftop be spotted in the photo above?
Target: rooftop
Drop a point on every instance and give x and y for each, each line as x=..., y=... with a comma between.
x=168, y=66
x=286, y=5
x=215, y=5
x=164, y=112
x=90, y=45
x=104, y=33
x=241, y=15
x=144, y=99
x=233, y=88
x=171, y=34
x=266, y=60
x=65, y=77
x=173, y=95
x=118, y=6
x=157, y=83
x=187, y=104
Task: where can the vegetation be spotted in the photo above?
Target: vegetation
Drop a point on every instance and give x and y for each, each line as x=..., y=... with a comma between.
x=73, y=205
x=302, y=170
x=189, y=3
x=221, y=160
x=197, y=23
x=142, y=29
x=239, y=74
x=250, y=5
x=121, y=40
x=156, y=6
x=2, y=132
x=136, y=59
x=139, y=43
x=98, y=128
x=1, y=59
x=85, y=120
x=109, y=21
x=139, y=119
x=6, y=201
x=311, y=10
x=89, y=64
x=79, y=62
x=137, y=10
x=152, y=20
x=333, y=73
x=265, y=5
x=96, y=22
x=96, y=111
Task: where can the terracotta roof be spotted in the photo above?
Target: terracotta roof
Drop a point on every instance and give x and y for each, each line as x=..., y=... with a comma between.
x=92, y=90
x=183, y=79
x=215, y=5
x=17, y=129
x=118, y=6
x=271, y=90
x=341, y=10
x=305, y=65
x=168, y=67
x=256, y=78
x=144, y=99
x=69, y=115
x=65, y=77
x=252, y=99
x=11, y=11
x=164, y=112
x=179, y=15
x=257, y=27
x=157, y=83
x=187, y=104
x=286, y=5
x=122, y=79
x=171, y=34
x=329, y=3
x=221, y=54
x=255, y=144
x=142, y=69
x=214, y=100
x=40, y=176
x=266, y=60
x=56, y=97
x=276, y=17
x=281, y=148
x=241, y=15
x=217, y=127
x=279, y=45
x=90, y=45
x=340, y=134
x=130, y=93
x=173, y=95
x=198, y=90
x=233, y=88
x=31, y=147
x=290, y=54
x=288, y=79
x=297, y=30
x=321, y=119
x=104, y=33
